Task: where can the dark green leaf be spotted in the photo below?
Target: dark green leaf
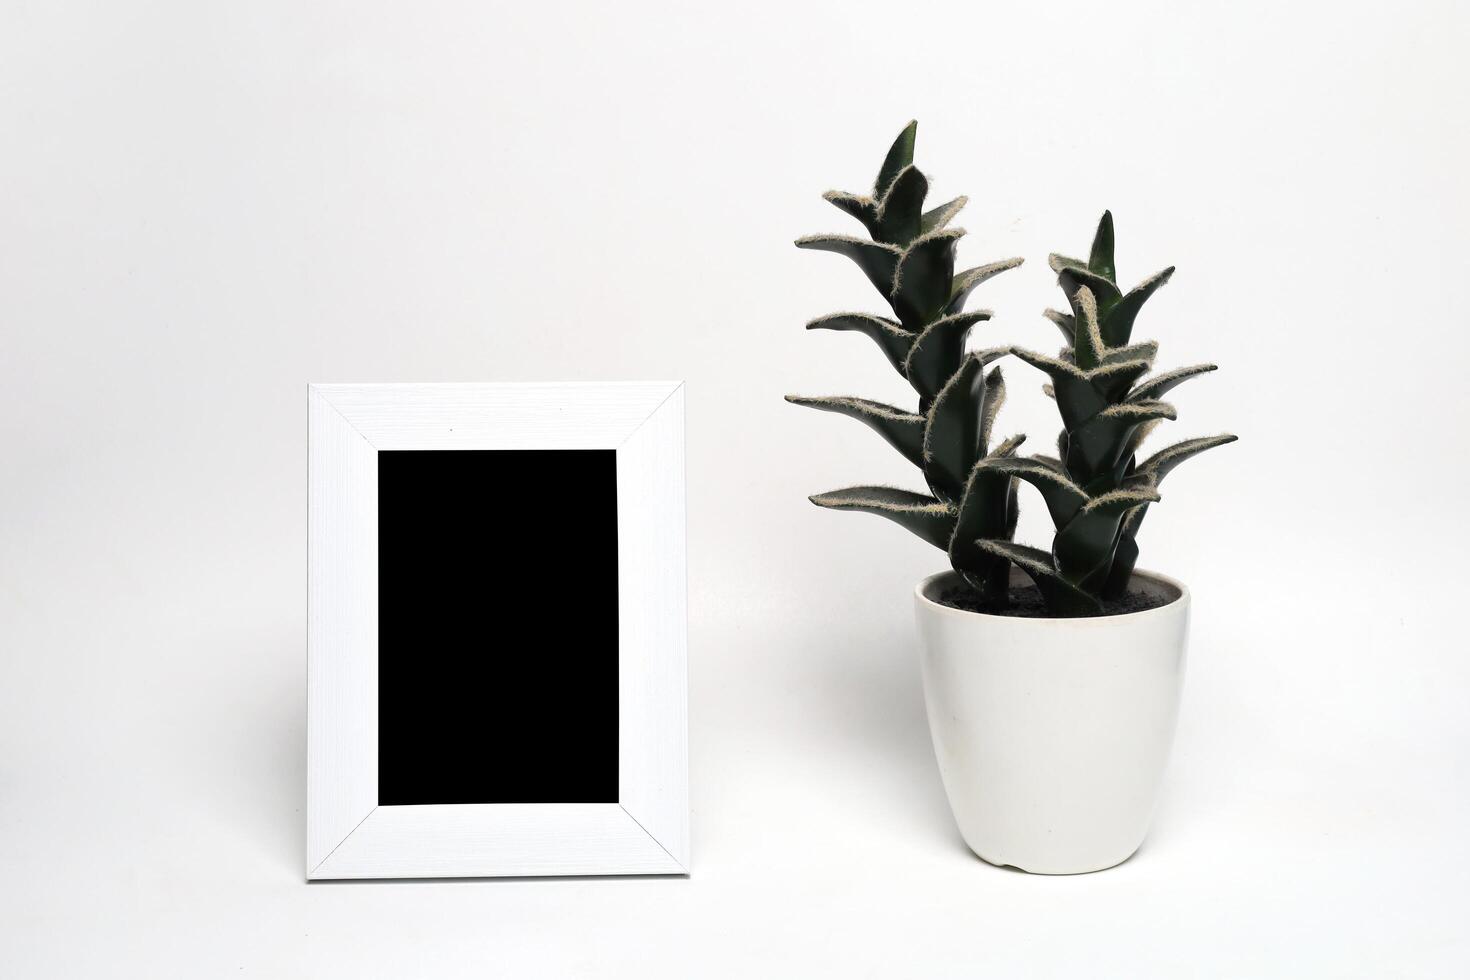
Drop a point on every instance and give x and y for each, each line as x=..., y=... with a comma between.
x=1077, y=399
x=1081, y=395
x=1160, y=385
x=1100, y=261
x=1088, y=346
x=966, y=281
x=983, y=513
x=1117, y=326
x=1096, y=448
x=1013, y=512
x=937, y=352
x=1074, y=277
x=1115, y=378
x=991, y=399
x=902, y=209
x=1161, y=463
x=1125, y=556
x=900, y=155
x=1062, y=597
x=1145, y=351
x=1009, y=447
x=865, y=209
x=1094, y=582
x=1141, y=433
x=1063, y=497
x=903, y=430
x=887, y=334
x=930, y=519
x=1085, y=543
x=937, y=218
x=923, y=279
x=1053, y=366
x=952, y=432
x=1065, y=323
x=878, y=261
x=1058, y=262
x=1013, y=515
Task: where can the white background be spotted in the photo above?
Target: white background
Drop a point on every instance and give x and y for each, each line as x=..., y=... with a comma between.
x=204, y=206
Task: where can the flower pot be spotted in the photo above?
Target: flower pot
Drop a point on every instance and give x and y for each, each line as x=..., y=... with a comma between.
x=1052, y=734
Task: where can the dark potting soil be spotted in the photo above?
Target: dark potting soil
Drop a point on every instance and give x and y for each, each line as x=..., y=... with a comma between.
x=1026, y=602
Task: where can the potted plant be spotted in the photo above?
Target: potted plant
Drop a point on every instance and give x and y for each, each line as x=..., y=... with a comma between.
x=1051, y=676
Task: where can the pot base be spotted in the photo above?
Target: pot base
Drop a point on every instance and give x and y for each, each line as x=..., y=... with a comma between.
x=1053, y=874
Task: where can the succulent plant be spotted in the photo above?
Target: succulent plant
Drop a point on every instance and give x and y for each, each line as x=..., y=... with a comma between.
x=909, y=256
x=1096, y=489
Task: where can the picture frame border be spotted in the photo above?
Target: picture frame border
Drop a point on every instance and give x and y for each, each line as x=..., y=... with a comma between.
x=647, y=830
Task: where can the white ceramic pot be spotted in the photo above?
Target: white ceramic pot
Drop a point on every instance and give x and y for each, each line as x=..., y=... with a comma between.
x=1052, y=734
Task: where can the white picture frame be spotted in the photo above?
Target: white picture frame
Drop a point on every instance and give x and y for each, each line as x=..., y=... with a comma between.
x=348, y=834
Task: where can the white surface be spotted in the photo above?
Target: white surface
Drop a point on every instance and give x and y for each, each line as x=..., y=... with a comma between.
x=647, y=831
x=205, y=206
x=1051, y=734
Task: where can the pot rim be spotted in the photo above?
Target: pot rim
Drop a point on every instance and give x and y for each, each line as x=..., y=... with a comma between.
x=1168, y=608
